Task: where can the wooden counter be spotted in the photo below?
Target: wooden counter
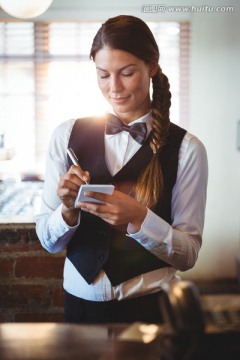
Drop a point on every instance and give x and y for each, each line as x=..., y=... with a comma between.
x=53, y=341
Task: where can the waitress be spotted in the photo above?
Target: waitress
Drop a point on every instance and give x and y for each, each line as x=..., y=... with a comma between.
x=120, y=252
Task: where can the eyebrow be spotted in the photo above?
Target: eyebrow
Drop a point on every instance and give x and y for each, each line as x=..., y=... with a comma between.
x=123, y=68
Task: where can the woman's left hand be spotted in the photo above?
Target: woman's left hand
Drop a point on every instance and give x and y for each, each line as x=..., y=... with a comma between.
x=116, y=209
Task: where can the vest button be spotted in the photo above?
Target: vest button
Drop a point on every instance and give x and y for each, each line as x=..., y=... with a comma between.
x=101, y=257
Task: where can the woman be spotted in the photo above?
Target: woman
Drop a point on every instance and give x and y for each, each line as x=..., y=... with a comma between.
x=122, y=251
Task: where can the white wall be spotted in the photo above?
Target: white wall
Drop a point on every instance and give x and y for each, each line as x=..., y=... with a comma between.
x=215, y=110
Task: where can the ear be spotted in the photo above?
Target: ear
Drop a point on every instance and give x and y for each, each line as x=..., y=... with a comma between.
x=153, y=68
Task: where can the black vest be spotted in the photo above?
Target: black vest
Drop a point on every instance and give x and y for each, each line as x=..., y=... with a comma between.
x=97, y=245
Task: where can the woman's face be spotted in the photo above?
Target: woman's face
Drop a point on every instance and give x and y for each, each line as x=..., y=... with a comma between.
x=124, y=81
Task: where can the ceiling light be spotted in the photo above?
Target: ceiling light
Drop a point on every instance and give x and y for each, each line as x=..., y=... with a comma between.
x=25, y=9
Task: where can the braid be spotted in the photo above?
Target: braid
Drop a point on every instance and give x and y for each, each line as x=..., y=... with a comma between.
x=161, y=102
x=150, y=185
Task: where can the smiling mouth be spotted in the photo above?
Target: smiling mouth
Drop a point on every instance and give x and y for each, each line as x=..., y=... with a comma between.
x=120, y=100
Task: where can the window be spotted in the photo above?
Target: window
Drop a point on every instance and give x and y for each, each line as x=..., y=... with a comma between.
x=46, y=77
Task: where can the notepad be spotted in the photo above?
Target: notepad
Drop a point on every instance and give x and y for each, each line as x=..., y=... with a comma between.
x=101, y=188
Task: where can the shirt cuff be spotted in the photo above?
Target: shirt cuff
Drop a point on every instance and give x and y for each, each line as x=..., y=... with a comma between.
x=154, y=232
x=58, y=227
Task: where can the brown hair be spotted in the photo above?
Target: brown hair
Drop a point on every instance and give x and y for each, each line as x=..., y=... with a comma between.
x=131, y=34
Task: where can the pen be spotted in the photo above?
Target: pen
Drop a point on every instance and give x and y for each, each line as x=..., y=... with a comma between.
x=74, y=158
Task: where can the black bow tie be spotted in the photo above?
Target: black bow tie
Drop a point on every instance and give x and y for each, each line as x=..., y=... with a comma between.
x=138, y=131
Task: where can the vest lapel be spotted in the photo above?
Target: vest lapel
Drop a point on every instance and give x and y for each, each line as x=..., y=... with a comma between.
x=136, y=164
x=87, y=141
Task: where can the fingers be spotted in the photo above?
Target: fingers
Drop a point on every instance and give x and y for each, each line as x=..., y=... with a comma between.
x=107, y=210
x=105, y=198
x=74, y=178
x=81, y=176
x=69, y=185
x=117, y=209
x=100, y=210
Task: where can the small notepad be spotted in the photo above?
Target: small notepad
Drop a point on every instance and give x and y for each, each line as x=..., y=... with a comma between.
x=101, y=188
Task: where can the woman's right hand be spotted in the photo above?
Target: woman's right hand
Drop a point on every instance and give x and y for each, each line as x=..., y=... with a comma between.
x=67, y=191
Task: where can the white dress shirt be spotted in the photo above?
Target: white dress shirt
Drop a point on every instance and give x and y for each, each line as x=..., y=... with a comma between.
x=177, y=244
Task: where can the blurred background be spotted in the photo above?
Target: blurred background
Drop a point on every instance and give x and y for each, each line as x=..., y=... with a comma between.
x=46, y=77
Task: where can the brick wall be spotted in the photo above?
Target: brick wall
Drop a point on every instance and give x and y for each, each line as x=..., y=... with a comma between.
x=30, y=277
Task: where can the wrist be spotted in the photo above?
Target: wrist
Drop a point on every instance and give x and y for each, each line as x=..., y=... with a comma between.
x=136, y=223
x=70, y=216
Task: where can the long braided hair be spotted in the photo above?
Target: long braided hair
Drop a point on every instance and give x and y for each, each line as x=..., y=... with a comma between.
x=131, y=34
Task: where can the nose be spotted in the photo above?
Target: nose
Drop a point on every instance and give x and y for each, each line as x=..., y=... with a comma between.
x=115, y=84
